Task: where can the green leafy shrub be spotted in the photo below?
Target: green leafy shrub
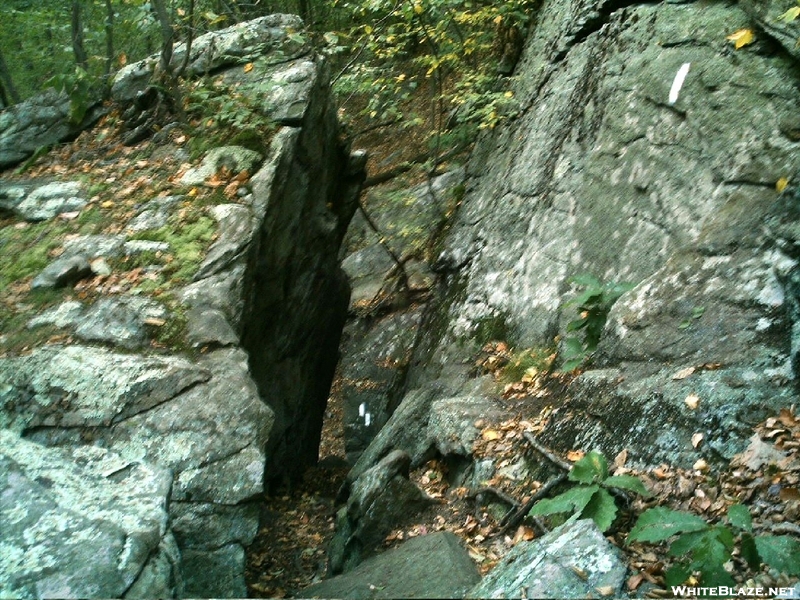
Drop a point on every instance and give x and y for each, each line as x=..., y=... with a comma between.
x=78, y=87
x=593, y=305
x=226, y=116
x=591, y=498
x=705, y=548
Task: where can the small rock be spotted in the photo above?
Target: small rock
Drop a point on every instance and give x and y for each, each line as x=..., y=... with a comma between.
x=233, y=158
x=430, y=566
x=154, y=214
x=120, y=321
x=133, y=247
x=100, y=267
x=47, y=201
x=62, y=272
x=572, y=561
x=92, y=246
x=65, y=314
x=209, y=326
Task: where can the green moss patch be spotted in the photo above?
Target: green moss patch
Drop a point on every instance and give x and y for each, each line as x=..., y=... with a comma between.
x=189, y=237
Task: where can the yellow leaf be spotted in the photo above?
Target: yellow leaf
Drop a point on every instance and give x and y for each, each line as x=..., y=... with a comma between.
x=368, y=30
x=790, y=15
x=781, y=184
x=418, y=8
x=107, y=204
x=509, y=94
x=491, y=434
x=498, y=19
x=741, y=38
x=683, y=373
x=692, y=401
x=248, y=67
x=575, y=455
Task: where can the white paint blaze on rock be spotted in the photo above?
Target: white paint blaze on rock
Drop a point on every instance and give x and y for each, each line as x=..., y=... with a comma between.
x=677, y=83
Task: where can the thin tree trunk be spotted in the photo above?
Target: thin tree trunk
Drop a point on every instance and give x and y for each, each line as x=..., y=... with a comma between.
x=167, y=35
x=11, y=96
x=305, y=12
x=77, y=36
x=109, y=39
x=189, y=38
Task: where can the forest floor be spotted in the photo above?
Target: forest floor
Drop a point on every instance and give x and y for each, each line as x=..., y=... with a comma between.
x=290, y=550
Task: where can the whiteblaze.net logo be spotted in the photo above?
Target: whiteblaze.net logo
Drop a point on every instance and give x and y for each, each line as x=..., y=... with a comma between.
x=733, y=592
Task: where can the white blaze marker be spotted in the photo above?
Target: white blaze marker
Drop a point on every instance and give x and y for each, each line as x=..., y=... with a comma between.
x=677, y=83
x=367, y=419
x=362, y=409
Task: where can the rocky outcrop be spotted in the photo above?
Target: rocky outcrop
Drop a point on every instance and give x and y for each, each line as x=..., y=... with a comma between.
x=223, y=382
x=602, y=172
x=39, y=123
x=84, y=523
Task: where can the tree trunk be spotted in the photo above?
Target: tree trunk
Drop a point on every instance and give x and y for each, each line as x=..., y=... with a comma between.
x=189, y=38
x=10, y=94
x=305, y=12
x=167, y=35
x=77, y=36
x=109, y=39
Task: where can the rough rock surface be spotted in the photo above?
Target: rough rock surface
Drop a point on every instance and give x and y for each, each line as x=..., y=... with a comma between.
x=429, y=566
x=375, y=356
x=37, y=123
x=83, y=523
x=379, y=499
x=600, y=173
x=549, y=567
x=266, y=305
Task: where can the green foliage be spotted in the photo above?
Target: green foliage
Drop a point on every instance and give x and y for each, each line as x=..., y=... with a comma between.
x=78, y=87
x=590, y=498
x=491, y=328
x=37, y=39
x=705, y=547
x=225, y=116
x=525, y=364
x=189, y=237
x=24, y=251
x=450, y=49
x=593, y=305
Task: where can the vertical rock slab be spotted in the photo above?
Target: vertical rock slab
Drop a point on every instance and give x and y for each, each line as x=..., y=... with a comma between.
x=296, y=296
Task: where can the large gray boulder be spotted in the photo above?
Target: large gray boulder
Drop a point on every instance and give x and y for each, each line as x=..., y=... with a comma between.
x=572, y=561
x=602, y=172
x=203, y=421
x=272, y=37
x=430, y=566
x=83, y=523
x=38, y=123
